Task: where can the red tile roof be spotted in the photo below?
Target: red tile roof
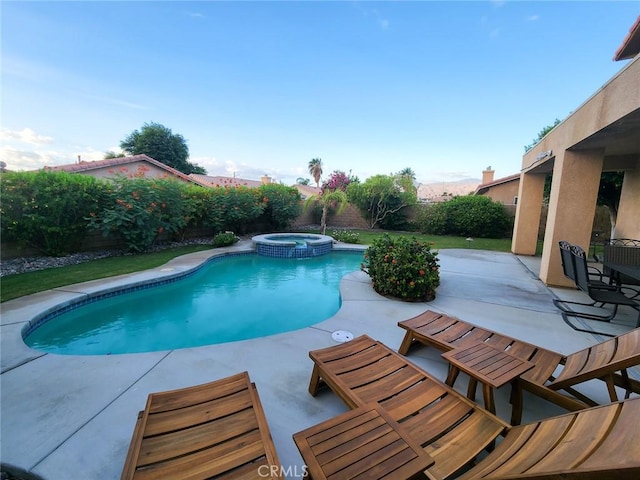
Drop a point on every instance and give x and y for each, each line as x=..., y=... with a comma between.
x=486, y=186
x=84, y=166
x=219, y=181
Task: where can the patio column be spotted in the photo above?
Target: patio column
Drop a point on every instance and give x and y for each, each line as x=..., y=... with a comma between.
x=527, y=222
x=572, y=204
x=628, y=223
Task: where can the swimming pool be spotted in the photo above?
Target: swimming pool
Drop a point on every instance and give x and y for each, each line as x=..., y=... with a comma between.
x=229, y=299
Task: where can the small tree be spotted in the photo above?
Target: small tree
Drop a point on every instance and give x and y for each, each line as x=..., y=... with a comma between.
x=328, y=199
x=381, y=196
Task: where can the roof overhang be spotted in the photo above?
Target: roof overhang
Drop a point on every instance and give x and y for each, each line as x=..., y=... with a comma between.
x=631, y=44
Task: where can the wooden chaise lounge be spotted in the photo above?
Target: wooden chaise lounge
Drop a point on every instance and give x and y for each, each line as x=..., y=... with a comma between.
x=599, y=443
x=450, y=427
x=607, y=361
x=215, y=430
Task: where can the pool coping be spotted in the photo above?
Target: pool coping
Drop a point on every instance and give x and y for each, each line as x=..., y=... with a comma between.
x=20, y=315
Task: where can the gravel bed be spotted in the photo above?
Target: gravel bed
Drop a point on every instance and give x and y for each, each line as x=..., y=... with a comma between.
x=31, y=264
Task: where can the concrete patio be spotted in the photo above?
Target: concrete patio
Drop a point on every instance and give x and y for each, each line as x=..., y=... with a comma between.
x=72, y=416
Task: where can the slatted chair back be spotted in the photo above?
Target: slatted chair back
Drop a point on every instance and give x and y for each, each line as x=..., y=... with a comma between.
x=602, y=361
x=608, y=363
x=581, y=268
x=567, y=260
x=600, y=443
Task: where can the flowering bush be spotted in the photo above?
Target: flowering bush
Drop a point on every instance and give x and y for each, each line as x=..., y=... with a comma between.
x=346, y=236
x=403, y=268
x=139, y=210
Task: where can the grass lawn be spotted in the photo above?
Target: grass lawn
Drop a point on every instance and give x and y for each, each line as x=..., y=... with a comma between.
x=15, y=286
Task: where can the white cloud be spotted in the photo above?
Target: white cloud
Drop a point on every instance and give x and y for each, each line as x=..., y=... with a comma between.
x=533, y=18
x=31, y=160
x=26, y=135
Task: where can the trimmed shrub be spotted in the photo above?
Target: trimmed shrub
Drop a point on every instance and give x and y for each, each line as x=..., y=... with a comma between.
x=282, y=205
x=227, y=208
x=402, y=268
x=48, y=210
x=346, y=236
x=224, y=239
x=431, y=219
x=466, y=216
x=476, y=216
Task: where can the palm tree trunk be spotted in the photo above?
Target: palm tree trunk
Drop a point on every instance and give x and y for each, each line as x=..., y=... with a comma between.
x=323, y=220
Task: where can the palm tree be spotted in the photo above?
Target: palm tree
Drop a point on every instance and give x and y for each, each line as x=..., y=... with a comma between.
x=315, y=169
x=327, y=199
x=407, y=172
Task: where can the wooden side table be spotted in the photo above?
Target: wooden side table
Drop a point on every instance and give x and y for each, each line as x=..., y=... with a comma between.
x=490, y=366
x=365, y=442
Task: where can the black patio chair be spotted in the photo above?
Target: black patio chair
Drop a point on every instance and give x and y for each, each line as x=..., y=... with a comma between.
x=598, y=292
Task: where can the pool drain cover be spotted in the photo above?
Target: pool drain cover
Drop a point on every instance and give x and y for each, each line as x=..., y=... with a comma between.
x=342, y=336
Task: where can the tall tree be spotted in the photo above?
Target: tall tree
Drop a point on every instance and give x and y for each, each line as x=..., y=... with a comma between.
x=315, y=169
x=112, y=154
x=161, y=144
x=541, y=134
x=407, y=172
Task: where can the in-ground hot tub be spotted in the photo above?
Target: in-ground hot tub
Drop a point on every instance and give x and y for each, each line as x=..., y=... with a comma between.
x=292, y=245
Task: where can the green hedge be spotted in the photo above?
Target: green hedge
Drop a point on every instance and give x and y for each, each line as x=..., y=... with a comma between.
x=466, y=216
x=53, y=211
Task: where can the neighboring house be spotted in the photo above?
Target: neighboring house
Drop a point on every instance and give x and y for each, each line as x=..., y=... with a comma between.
x=136, y=166
x=219, y=181
x=503, y=190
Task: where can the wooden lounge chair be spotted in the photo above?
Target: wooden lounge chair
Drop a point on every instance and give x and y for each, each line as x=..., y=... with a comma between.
x=450, y=427
x=215, y=430
x=597, y=444
x=607, y=361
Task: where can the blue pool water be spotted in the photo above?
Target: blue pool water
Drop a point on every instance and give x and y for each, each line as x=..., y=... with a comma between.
x=234, y=298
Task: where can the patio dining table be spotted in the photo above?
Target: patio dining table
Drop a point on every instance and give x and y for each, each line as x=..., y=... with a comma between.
x=632, y=271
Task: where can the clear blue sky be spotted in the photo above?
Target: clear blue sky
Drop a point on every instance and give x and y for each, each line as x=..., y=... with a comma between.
x=446, y=88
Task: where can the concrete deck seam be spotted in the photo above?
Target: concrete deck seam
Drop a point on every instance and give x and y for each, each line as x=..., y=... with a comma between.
x=22, y=363
x=35, y=465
